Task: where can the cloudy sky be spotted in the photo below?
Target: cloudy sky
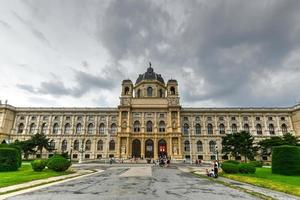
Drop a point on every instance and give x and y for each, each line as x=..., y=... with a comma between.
x=223, y=53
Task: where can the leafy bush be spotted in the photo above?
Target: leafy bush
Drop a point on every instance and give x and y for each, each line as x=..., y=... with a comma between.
x=38, y=165
x=19, y=151
x=9, y=159
x=230, y=168
x=58, y=163
x=232, y=162
x=285, y=160
x=256, y=163
x=246, y=168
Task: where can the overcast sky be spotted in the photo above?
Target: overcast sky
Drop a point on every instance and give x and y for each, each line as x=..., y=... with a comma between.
x=223, y=53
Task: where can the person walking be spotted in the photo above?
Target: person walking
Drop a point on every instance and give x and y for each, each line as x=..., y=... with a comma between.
x=216, y=166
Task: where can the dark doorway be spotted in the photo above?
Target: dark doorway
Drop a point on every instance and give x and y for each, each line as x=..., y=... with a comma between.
x=162, y=148
x=149, y=150
x=136, y=148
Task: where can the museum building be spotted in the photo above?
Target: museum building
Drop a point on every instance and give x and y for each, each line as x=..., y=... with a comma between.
x=149, y=122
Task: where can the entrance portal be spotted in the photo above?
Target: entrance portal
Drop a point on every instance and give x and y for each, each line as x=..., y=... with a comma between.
x=136, y=148
x=149, y=150
x=162, y=148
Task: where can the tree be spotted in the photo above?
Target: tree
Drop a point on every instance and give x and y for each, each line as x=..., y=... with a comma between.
x=27, y=147
x=266, y=145
x=289, y=139
x=240, y=143
x=41, y=142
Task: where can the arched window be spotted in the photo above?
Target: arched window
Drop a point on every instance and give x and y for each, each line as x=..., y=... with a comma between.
x=44, y=128
x=138, y=93
x=64, y=145
x=136, y=126
x=21, y=128
x=67, y=128
x=149, y=91
x=55, y=128
x=100, y=145
x=284, y=129
x=52, y=145
x=222, y=129
x=186, y=145
x=161, y=93
x=185, y=128
x=149, y=126
x=210, y=128
x=112, y=145
x=126, y=90
x=198, y=129
x=258, y=129
x=271, y=129
x=162, y=126
x=234, y=128
x=32, y=128
x=101, y=128
x=76, y=145
x=88, y=145
x=78, y=128
x=246, y=128
x=172, y=89
x=199, y=146
x=212, y=146
x=113, y=129
x=90, y=128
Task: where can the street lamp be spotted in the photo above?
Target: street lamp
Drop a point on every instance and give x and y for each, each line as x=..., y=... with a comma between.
x=81, y=152
x=216, y=150
x=71, y=148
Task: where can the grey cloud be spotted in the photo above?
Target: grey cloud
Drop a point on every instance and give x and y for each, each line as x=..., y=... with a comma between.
x=37, y=33
x=85, y=82
x=224, y=42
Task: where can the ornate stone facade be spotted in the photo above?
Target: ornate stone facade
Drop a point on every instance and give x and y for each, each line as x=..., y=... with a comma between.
x=148, y=122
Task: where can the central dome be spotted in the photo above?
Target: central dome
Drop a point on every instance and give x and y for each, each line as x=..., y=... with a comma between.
x=150, y=75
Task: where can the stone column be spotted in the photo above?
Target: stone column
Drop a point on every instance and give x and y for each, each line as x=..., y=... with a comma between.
x=127, y=147
x=143, y=147
x=155, y=149
x=170, y=148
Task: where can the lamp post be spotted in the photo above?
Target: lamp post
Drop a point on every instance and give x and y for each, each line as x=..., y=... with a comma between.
x=81, y=152
x=216, y=150
x=190, y=142
x=71, y=148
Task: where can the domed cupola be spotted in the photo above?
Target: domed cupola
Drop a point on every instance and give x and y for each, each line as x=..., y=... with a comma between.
x=150, y=75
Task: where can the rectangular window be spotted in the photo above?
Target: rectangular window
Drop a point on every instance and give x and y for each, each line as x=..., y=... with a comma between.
x=87, y=156
x=233, y=118
x=245, y=118
x=257, y=118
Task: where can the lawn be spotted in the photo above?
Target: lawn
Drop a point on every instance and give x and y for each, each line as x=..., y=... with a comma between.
x=26, y=174
x=264, y=178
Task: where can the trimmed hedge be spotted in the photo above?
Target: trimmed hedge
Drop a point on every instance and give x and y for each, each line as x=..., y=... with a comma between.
x=232, y=162
x=230, y=168
x=58, y=163
x=38, y=165
x=256, y=163
x=9, y=159
x=19, y=150
x=286, y=160
x=246, y=168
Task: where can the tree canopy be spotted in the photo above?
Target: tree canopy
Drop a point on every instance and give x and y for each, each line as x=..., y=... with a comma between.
x=239, y=144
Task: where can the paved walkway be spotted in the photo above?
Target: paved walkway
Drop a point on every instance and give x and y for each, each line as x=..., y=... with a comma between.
x=164, y=183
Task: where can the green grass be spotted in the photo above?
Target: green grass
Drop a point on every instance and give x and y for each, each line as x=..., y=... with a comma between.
x=264, y=178
x=26, y=174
